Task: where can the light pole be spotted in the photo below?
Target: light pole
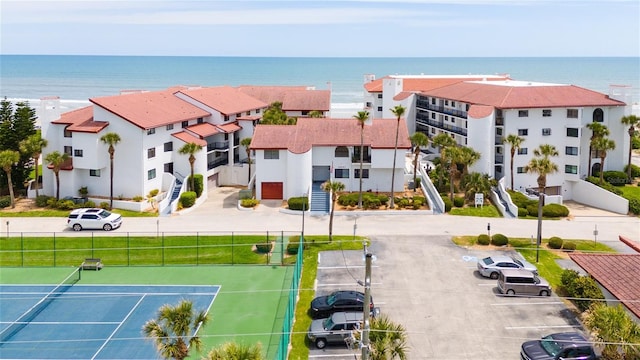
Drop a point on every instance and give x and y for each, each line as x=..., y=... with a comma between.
x=7, y=229
x=367, y=306
x=489, y=230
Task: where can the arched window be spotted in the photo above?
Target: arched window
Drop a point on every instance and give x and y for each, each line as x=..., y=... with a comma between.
x=342, y=151
x=598, y=115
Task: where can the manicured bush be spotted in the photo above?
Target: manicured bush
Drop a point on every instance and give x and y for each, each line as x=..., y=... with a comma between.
x=616, y=178
x=402, y=202
x=245, y=194
x=555, y=210
x=371, y=203
x=520, y=199
x=586, y=288
x=198, y=183
x=298, y=203
x=264, y=248
x=522, y=212
x=65, y=204
x=447, y=203
x=499, y=240
x=605, y=185
x=292, y=248
x=249, y=203
x=5, y=201
x=532, y=209
x=384, y=199
x=104, y=205
x=569, y=246
x=458, y=201
x=634, y=205
x=43, y=200
x=187, y=199
x=635, y=170
x=350, y=199
x=567, y=280
x=555, y=242
x=483, y=239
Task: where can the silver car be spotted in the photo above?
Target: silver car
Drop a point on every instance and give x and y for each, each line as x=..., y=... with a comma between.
x=93, y=218
x=491, y=266
x=335, y=329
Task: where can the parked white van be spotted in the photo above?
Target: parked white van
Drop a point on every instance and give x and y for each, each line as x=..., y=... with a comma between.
x=522, y=282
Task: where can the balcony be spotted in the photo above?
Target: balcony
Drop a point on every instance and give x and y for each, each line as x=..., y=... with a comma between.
x=423, y=120
x=218, y=145
x=355, y=159
x=425, y=105
x=218, y=162
x=499, y=159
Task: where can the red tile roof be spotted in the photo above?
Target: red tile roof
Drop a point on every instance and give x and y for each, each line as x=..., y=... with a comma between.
x=188, y=138
x=520, y=95
x=225, y=99
x=618, y=273
x=229, y=128
x=203, y=130
x=309, y=132
x=293, y=98
x=151, y=109
x=81, y=120
x=429, y=82
x=480, y=111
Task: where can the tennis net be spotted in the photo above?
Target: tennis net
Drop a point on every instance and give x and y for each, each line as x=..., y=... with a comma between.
x=28, y=316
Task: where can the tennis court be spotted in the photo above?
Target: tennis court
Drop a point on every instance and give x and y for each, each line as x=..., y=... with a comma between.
x=73, y=321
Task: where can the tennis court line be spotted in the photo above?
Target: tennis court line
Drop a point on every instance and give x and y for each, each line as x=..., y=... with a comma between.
x=118, y=327
x=64, y=322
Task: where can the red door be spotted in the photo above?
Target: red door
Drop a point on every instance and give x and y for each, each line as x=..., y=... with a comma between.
x=271, y=191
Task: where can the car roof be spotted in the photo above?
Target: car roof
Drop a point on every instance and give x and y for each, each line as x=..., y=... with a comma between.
x=498, y=258
x=346, y=317
x=348, y=294
x=567, y=338
x=517, y=272
x=86, y=210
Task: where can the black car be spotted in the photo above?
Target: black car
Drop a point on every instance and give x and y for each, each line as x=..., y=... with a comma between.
x=569, y=346
x=324, y=306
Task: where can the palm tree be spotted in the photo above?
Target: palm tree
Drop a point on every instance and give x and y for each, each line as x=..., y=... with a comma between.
x=602, y=146
x=56, y=159
x=316, y=114
x=418, y=139
x=246, y=143
x=174, y=330
x=612, y=326
x=388, y=340
x=333, y=188
x=542, y=165
x=362, y=117
x=32, y=147
x=235, y=351
x=597, y=131
x=633, y=122
x=468, y=157
x=8, y=158
x=111, y=139
x=398, y=111
x=515, y=142
x=475, y=183
x=453, y=156
x=190, y=149
x=442, y=141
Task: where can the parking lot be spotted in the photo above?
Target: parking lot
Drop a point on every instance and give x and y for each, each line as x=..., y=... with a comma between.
x=430, y=285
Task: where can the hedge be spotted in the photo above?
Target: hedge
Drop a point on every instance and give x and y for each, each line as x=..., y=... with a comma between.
x=447, y=202
x=249, y=203
x=522, y=212
x=583, y=287
x=634, y=205
x=499, y=240
x=264, y=248
x=569, y=246
x=458, y=201
x=199, y=184
x=555, y=210
x=5, y=201
x=616, y=178
x=369, y=200
x=555, y=242
x=483, y=239
x=635, y=170
x=187, y=199
x=298, y=203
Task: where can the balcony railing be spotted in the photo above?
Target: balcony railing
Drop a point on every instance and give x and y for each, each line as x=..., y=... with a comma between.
x=365, y=159
x=499, y=159
x=218, y=162
x=423, y=104
x=441, y=125
x=218, y=145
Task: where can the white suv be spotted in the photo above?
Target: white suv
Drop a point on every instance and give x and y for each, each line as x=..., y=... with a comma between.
x=93, y=218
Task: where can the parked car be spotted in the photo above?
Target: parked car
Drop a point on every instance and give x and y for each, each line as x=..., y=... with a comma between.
x=93, y=218
x=342, y=300
x=336, y=329
x=522, y=282
x=491, y=266
x=568, y=346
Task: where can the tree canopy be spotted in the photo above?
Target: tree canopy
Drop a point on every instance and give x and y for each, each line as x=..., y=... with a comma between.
x=17, y=122
x=274, y=115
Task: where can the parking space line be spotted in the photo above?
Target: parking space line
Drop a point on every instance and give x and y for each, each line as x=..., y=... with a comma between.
x=345, y=284
x=330, y=355
x=486, y=284
x=343, y=267
x=542, y=327
x=529, y=303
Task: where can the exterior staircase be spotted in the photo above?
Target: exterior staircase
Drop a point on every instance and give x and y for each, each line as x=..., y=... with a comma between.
x=508, y=213
x=319, y=199
x=174, y=197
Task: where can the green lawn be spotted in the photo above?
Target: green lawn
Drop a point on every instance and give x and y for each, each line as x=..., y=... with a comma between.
x=631, y=192
x=482, y=211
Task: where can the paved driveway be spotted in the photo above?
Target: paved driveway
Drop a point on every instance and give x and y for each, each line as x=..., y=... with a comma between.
x=429, y=285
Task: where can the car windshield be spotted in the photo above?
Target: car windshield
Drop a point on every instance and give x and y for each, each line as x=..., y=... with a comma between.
x=518, y=262
x=487, y=261
x=327, y=324
x=550, y=346
x=331, y=299
x=104, y=214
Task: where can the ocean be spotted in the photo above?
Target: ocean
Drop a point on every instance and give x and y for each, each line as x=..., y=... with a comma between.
x=76, y=78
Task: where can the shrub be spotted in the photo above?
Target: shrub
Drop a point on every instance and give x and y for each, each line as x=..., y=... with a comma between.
x=616, y=178
x=555, y=242
x=569, y=246
x=292, y=248
x=532, y=209
x=634, y=205
x=635, y=142
x=417, y=204
x=522, y=212
x=298, y=203
x=104, y=205
x=5, y=201
x=447, y=203
x=154, y=192
x=402, y=202
x=43, y=200
x=89, y=204
x=635, y=170
x=555, y=210
x=137, y=198
x=384, y=199
x=499, y=240
x=198, y=183
x=83, y=191
x=245, y=194
x=350, y=199
x=419, y=198
x=520, y=199
x=586, y=288
x=188, y=198
x=483, y=239
x=249, y=203
x=373, y=203
x=458, y=201
x=264, y=248
x=65, y=204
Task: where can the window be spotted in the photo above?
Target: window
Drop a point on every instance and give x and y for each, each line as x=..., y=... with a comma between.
x=271, y=154
x=151, y=174
x=572, y=132
x=151, y=131
x=67, y=133
x=453, y=103
x=379, y=96
x=68, y=150
x=304, y=112
x=572, y=113
x=94, y=172
x=546, y=113
x=168, y=146
x=522, y=151
x=201, y=120
x=446, y=118
x=257, y=111
x=523, y=113
x=571, y=150
x=433, y=101
x=571, y=169
x=523, y=132
x=433, y=115
x=546, y=132
x=520, y=170
x=226, y=118
x=446, y=102
x=342, y=173
x=168, y=168
x=341, y=151
x=248, y=113
x=365, y=173
x=185, y=124
x=169, y=127
x=433, y=130
x=77, y=152
x=151, y=153
x=379, y=108
x=598, y=115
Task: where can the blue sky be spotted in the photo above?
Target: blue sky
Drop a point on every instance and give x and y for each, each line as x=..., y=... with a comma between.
x=416, y=28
